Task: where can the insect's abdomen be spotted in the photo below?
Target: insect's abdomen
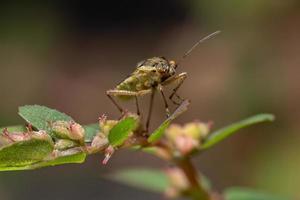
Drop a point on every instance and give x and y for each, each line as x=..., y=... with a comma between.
x=137, y=82
x=129, y=84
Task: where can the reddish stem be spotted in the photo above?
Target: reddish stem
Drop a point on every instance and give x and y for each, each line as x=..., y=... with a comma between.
x=196, y=191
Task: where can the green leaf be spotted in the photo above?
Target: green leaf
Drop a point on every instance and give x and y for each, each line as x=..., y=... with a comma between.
x=150, y=149
x=20, y=155
x=41, y=117
x=76, y=158
x=122, y=130
x=91, y=131
x=158, y=133
x=237, y=193
x=227, y=131
x=71, y=159
x=147, y=179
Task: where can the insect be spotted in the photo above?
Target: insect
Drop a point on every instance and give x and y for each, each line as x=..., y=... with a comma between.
x=152, y=75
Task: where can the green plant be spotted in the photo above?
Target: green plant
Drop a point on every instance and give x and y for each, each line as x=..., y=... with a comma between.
x=53, y=138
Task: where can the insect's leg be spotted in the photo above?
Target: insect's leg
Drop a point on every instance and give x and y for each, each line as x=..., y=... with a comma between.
x=179, y=79
x=114, y=101
x=150, y=111
x=140, y=93
x=111, y=93
x=165, y=101
x=137, y=106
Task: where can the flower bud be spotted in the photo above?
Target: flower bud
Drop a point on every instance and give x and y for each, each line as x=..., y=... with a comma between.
x=68, y=130
x=197, y=130
x=99, y=143
x=171, y=193
x=178, y=182
x=11, y=137
x=42, y=135
x=106, y=126
x=185, y=139
x=4, y=140
x=77, y=131
x=108, y=153
x=7, y=138
x=173, y=131
x=61, y=129
x=185, y=144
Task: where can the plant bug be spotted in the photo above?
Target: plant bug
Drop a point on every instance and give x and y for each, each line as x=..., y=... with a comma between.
x=150, y=75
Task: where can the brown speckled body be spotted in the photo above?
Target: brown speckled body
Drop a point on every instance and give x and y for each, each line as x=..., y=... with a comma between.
x=148, y=74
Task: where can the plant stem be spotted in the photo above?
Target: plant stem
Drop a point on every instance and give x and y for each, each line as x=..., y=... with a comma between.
x=196, y=191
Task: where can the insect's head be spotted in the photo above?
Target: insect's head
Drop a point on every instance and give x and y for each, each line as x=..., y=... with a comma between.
x=167, y=68
x=173, y=65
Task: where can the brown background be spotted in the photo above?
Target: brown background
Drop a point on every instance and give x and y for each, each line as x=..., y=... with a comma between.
x=66, y=54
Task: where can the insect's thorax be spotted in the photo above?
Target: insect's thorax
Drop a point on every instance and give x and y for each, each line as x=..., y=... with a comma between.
x=148, y=74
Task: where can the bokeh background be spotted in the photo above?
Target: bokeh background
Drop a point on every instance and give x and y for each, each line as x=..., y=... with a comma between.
x=66, y=54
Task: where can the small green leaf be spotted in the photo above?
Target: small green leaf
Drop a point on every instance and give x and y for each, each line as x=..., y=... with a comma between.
x=20, y=155
x=237, y=193
x=76, y=158
x=150, y=150
x=147, y=179
x=122, y=130
x=91, y=131
x=158, y=133
x=227, y=131
x=41, y=117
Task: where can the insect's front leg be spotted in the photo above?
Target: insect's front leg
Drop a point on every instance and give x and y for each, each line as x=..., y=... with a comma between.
x=160, y=88
x=138, y=112
x=110, y=94
x=150, y=111
x=179, y=79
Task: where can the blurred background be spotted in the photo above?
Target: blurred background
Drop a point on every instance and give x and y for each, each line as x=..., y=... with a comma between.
x=66, y=54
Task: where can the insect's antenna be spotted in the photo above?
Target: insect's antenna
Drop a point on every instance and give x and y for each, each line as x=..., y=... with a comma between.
x=187, y=53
